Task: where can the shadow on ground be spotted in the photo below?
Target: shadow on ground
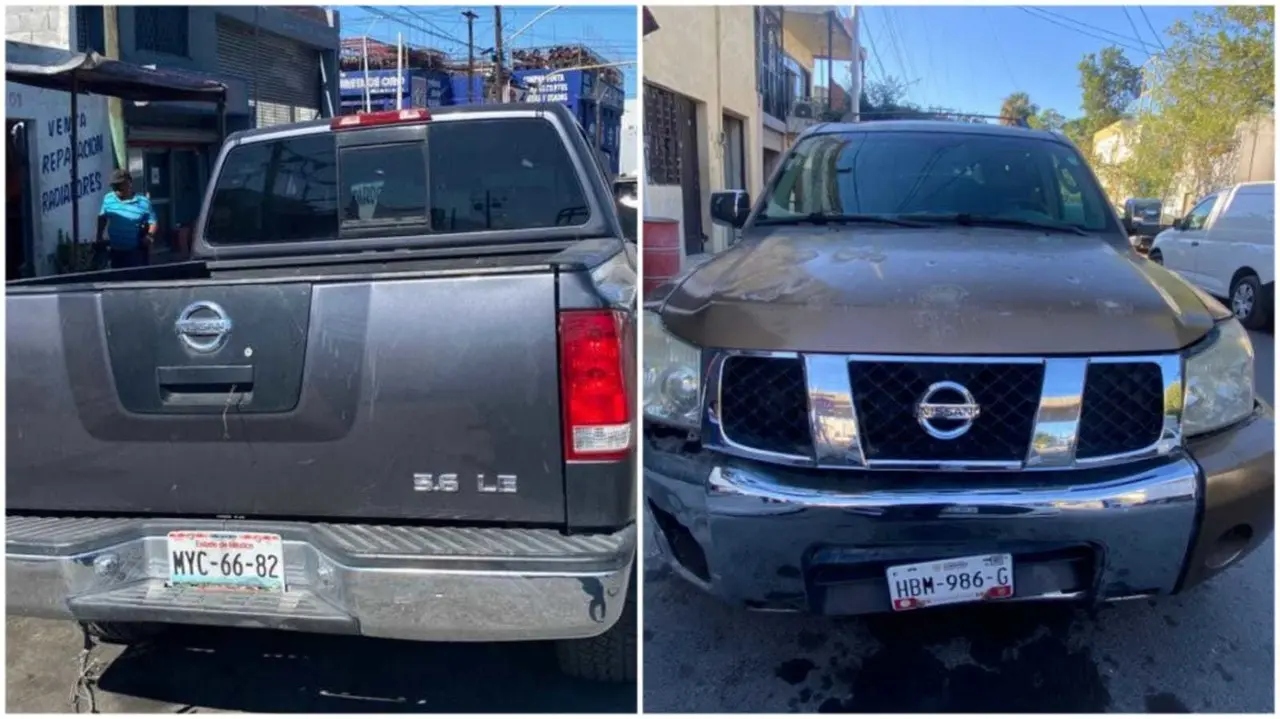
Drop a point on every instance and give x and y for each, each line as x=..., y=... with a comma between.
x=261, y=671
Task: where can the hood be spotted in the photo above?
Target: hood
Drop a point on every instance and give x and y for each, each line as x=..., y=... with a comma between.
x=937, y=291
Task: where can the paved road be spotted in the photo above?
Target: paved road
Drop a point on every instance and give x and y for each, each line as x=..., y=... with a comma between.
x=1211, y=649
x=255, y=671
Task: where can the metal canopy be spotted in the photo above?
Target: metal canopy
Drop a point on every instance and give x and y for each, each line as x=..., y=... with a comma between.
x=63, y=70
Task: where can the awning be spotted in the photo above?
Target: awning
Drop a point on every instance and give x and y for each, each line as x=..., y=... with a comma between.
x=57, y=69
x=649, y=23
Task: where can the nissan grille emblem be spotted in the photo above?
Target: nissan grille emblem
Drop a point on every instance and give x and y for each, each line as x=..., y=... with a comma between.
x=203, y=327
x=955, y=418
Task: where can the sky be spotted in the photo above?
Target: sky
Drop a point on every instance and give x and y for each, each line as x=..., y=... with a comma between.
x=609, y=30
x=970, y=58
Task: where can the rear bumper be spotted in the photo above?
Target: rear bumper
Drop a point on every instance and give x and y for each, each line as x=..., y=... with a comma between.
x=779, y=539
x=431, y=584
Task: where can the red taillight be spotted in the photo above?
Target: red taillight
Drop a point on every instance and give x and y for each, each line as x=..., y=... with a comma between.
x=593, y=388
x=389, y=117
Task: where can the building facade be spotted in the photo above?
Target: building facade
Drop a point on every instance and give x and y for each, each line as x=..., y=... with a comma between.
x=726, y=91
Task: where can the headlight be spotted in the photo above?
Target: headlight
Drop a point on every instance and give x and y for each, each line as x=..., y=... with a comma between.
x=1219, y=380
x=672, y=377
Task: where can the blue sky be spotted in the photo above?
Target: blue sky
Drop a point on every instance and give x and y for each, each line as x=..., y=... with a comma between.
x=610, y=30
x=970, y=58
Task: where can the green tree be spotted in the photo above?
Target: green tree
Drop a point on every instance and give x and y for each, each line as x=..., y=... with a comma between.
x=1017, y=108
x=1048, y=119
x=1218, y=73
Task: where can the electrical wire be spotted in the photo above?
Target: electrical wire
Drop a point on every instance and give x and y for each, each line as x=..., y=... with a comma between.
x=1050, y=18
x=1004, y=59
x=1146, y=19
x=1133, y=25
x=871, y=40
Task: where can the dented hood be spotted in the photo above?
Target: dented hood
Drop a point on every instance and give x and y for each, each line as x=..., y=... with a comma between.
x=950, y=290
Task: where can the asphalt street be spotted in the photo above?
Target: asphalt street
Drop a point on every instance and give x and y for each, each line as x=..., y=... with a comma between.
x=1211, y=649
x=202, y=670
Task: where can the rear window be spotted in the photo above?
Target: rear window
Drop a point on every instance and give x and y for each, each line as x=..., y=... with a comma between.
x=470, y=176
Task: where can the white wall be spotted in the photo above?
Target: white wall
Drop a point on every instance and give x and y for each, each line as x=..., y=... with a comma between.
x=629, y=163
x=39, y=24
x=49, y=153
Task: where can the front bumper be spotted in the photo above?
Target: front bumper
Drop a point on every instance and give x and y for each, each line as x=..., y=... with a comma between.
x=431, y=584
x=781, y=539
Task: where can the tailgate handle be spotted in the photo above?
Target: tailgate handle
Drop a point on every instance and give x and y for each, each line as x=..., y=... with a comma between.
x=208, y=380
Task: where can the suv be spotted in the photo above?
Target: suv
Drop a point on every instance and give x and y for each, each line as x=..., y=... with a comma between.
x=932, y=370
x=391, y=396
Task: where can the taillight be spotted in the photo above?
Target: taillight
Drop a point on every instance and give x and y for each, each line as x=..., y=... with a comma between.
x=388, y=117
x=593, y=388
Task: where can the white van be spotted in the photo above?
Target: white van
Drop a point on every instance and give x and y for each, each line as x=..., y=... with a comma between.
x=1226, y=246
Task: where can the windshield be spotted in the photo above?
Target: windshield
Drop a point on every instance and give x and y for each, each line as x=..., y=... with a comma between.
x=939, y=173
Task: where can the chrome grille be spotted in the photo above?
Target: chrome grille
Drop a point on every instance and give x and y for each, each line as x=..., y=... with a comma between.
x=1121, y=410
x=860, y=411
x=885, y=396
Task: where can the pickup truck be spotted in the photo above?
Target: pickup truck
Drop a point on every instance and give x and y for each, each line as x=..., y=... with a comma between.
x=932, y=370
x=391, y=395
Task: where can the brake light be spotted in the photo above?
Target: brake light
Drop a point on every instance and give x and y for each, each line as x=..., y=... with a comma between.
x=593, y=388
x=388, y=117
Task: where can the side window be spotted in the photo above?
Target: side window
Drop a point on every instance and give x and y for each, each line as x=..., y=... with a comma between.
x=502, y=174
x=275, y=191
x=1200, y=213
x=384, y=184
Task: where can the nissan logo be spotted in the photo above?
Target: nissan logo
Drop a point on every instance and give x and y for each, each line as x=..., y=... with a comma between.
x=203, y=327
x=947, y=420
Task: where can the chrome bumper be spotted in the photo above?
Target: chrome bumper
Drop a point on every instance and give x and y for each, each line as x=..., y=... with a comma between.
x=775, y=538
x=431, y=584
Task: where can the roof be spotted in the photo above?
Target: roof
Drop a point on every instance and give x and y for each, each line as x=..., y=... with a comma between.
x=57, y=69
x=953, y=126
x=552, y=107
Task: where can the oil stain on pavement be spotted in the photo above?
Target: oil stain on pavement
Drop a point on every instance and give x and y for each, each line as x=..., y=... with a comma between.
x=1210, y=649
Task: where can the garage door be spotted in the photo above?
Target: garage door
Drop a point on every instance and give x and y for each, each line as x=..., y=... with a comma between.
x=287, y=73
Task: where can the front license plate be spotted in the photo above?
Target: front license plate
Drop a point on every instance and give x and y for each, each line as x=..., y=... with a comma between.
x=950, y=581
x=237, y=560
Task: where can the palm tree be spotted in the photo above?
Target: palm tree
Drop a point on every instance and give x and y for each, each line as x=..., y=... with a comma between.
x=1017, y=109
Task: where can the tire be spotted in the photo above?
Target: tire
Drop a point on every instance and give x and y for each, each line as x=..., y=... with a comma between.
x=610, y=657
x=1248, y=302
x=123, y=632
x=1156, y=257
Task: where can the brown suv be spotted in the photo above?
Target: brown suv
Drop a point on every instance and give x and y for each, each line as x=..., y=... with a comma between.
x=932, y=370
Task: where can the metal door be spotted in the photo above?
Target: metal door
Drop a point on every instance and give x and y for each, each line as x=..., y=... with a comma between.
x=690, y=181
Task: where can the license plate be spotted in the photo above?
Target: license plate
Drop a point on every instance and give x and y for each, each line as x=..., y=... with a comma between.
x=232, y=560
x=950, y=581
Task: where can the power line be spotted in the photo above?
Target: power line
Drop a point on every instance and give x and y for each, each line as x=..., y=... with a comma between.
x=415, y=13
x=1136, y=34
x=871, y=40
x=893, y=45
x=412, y=26
x=1152, y=29
x=1049, y=17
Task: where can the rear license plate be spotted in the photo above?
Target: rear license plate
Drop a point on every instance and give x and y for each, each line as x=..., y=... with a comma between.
x=950, y=581
x=233, y=560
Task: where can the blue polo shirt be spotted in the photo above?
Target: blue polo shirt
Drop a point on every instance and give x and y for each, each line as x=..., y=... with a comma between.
x=126, y=219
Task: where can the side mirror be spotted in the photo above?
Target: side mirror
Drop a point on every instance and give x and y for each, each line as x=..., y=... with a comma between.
x=730, y=207
x=626, y=200
x=1180, y=223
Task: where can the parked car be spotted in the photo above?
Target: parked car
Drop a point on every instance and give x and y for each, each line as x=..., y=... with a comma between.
x=391, y=396
x=933, y=371
x=1141, y=220
x=1226, y=246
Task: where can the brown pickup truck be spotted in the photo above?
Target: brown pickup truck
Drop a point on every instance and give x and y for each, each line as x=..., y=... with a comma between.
x=932, y=370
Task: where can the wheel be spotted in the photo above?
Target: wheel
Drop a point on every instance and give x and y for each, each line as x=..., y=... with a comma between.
x=610, y=657
x=1156, y=257
x=123, y=632
x=1247, y=302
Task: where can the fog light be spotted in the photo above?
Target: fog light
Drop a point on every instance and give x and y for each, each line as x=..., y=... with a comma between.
x=1229, y=546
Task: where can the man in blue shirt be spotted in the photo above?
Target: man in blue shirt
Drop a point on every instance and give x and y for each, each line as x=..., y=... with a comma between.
x=129, y=221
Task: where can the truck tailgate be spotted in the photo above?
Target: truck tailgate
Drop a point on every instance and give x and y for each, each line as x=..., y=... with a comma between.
x=425, y=398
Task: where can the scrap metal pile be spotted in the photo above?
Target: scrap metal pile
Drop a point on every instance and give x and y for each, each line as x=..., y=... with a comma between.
x=382, y=56
x=564, y=57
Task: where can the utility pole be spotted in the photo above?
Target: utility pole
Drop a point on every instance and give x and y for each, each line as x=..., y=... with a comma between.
x=497, y=53
x=855, y=69
x=471, y=54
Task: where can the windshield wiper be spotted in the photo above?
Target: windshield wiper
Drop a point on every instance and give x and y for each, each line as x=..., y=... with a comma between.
x=822, y=218
x=964, y=218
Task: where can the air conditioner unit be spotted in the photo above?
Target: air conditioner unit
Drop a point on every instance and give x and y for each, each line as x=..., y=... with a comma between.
x=804, y=110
